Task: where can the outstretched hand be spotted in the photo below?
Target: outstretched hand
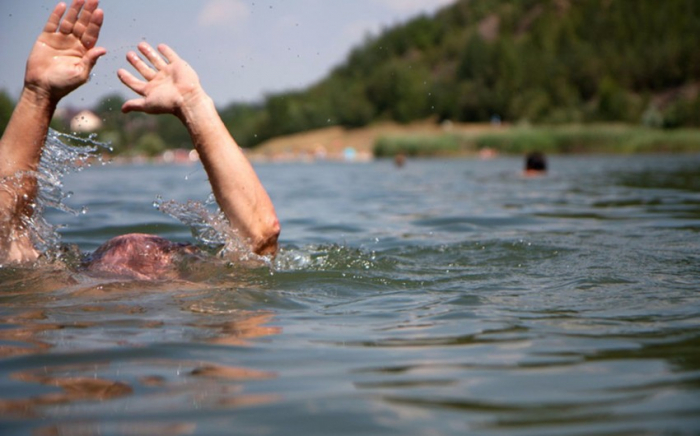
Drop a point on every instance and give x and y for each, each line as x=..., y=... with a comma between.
x=65, y=53
x=170, y=83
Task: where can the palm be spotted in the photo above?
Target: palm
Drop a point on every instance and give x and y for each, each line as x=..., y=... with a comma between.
x=164, y=92
x=64, y=54
x=56, y=63
x=168, y=81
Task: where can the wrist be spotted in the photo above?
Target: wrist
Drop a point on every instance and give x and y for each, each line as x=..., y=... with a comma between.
x=39, y=97
x=193, y=105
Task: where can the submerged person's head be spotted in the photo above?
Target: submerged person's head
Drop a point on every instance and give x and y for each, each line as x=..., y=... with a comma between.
x=535, y=163
x=138, y=256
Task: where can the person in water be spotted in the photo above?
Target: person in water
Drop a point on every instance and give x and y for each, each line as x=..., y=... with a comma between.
x=535, y=163
x=60, y=61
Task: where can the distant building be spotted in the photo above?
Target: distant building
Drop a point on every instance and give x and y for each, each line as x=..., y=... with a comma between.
x=85, y=122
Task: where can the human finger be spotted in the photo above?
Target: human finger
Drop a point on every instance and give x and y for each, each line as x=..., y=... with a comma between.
x=169, y=53
x=153, y=57
x=90, y=58
x=69, y=20
x=84, y=18
x=147, y=72
x=137, y=104
x=55, y=18
x=92, y=31
x=131, y=82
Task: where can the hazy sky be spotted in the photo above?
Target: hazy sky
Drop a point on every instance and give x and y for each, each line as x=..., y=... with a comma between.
x=242, y=49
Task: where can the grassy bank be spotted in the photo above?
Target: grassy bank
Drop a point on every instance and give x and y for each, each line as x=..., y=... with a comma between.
x=555, y=140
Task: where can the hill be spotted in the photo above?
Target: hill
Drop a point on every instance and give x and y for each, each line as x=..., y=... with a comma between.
x=543, y=61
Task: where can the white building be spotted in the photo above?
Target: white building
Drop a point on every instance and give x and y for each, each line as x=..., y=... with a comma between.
x=85, y=122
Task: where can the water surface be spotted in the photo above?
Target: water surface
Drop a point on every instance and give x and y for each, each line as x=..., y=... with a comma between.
x=447, y=297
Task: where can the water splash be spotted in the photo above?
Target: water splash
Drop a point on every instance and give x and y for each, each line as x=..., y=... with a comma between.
x=210, y=227
x=62, y=154
x=327, y=258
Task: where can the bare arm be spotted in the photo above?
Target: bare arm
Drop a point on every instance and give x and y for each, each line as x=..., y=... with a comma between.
x=60, y=61
x=172, y=86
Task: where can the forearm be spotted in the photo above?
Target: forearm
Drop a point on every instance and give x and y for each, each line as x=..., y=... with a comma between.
x=234, y=182
x=25, y=134
x=20, y=151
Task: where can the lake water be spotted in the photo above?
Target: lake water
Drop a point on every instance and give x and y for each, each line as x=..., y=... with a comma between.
x=448, y=297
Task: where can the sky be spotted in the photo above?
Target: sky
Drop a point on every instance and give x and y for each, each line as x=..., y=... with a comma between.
x=242, y=50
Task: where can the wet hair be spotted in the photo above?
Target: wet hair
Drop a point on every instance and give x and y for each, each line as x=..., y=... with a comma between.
x=137, y=256
x=535, y=161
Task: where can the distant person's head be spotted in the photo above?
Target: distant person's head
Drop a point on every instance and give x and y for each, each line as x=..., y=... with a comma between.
x=535, y=163
x=400, y=160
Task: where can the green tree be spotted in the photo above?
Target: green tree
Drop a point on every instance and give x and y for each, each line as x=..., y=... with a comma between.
x=150, y=144
x=612, y=103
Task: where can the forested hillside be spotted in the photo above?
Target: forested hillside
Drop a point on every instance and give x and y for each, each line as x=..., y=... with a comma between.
x=540, y=61
x=545, y=61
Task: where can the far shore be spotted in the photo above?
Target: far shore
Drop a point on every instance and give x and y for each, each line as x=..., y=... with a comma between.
x=430, y=139
x=338, y=143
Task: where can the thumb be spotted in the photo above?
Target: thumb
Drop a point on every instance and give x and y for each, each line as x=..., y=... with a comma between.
x=90, y=58
x=137, y=104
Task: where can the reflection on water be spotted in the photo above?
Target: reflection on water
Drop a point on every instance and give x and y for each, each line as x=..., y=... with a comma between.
x=445, y=297
x=86, y=354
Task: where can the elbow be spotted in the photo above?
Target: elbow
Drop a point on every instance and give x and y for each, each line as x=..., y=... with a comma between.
x=266, y=243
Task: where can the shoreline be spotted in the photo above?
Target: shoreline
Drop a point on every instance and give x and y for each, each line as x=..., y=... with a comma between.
x=464, y=140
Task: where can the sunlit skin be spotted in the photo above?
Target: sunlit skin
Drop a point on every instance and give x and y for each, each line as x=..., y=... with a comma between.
x=171, y=86
x=61, y=60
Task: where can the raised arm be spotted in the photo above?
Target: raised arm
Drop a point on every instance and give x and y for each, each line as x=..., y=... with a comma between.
x=60, y=61
x=172, y=86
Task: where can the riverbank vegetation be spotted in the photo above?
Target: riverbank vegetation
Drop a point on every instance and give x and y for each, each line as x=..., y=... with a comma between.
x=543, y=63
x=594, y=138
